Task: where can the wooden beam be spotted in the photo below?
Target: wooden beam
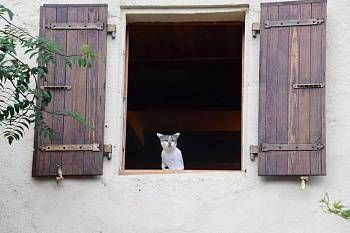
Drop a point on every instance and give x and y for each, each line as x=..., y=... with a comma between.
x=134, y=122
x=172, y=120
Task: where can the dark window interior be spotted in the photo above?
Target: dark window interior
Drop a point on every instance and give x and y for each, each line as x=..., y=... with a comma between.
x=185, y=77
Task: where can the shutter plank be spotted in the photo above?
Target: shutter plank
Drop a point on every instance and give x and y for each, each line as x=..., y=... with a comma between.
x=48, y=15
x=282, y=91
x=323, y=94
x=293, y=121
x=316, y=111
x=262, y=89
x=41, y=163
x=301, y=164
x=80, y=94
x=101, y=83
x=271, y=95
x=70, y=158
x=91, y=99
x=58, y=96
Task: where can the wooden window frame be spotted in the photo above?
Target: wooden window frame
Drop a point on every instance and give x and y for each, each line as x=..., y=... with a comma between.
x=122, y=170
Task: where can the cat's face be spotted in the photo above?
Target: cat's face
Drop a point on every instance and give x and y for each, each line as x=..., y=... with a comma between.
x=168, y=141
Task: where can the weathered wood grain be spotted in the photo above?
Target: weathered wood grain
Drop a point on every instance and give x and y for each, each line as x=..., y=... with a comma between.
x=58, y=96
x=291, y=55
x=271, y=97
x=262, y=89
x=85, y=97
x=282, y=91
x=91, y=97
x=316, y=94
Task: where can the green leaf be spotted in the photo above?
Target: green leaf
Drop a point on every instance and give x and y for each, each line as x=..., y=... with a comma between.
x=6, y=10
x=10, y=139
x=79, y=118
x=11, y=110
x=16, y=106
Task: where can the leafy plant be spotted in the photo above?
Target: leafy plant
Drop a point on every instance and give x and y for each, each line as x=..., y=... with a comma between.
x=336, y=207
x=21, y=102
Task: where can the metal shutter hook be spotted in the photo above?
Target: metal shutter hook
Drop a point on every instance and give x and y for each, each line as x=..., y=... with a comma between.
x=60, y=177
x=304, y=179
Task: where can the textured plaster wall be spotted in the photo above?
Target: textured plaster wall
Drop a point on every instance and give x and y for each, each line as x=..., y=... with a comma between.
x=203, y=203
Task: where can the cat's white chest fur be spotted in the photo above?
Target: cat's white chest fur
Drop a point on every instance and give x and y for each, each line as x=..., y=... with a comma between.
x=172, y=159
x=171, y=155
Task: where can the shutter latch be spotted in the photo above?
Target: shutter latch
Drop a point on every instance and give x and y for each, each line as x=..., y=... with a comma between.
x=112, y=29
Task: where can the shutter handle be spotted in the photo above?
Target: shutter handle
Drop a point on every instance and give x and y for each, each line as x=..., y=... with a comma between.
x=60, y=177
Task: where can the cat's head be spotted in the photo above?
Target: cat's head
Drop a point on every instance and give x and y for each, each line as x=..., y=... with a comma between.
x=168, y=141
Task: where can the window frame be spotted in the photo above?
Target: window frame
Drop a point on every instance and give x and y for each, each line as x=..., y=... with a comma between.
x=144, y=15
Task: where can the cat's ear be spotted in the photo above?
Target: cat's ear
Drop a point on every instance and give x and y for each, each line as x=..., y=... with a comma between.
x=177, y=135
x=159, y=135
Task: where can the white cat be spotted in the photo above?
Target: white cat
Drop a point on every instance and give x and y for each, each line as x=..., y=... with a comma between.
x=171, y=155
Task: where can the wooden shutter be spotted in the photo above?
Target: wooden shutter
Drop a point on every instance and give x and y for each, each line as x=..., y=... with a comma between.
x=73, y=26
x=292, y=118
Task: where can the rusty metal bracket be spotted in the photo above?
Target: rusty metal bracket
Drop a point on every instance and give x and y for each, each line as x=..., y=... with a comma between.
x=255, y=29
x=265, y=147
x=75, y=26
x=253, y=150
x=308, y=85
x=107, y=151
x=112, y=29
x=70, y=147
x=291, y=23
x=55, y=87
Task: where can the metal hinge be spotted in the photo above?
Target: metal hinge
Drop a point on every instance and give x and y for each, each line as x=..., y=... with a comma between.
x=75, y=26
x=291, y=23
x=112, y=29
x=70, y=147
x=107, y=151
x=255, y=29
x=265, y=147
x=308, y=85
x=55, y=87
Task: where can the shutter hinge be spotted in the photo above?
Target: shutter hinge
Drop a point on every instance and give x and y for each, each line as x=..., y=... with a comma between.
x=308, y=85
x=75, y=26
x=291, y=23
x=266, y=147
x=253, y=150
x=112, y=29
x=70, y=147
x=107, y=151
x=56, y=87
x=255, y=29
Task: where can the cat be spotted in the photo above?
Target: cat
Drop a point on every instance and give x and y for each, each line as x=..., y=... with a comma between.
x=171, y=155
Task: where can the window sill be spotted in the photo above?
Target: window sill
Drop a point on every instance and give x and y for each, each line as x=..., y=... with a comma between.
x=161, y=172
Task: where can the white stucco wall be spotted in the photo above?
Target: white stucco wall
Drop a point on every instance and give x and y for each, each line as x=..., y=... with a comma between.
x=203, y=202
